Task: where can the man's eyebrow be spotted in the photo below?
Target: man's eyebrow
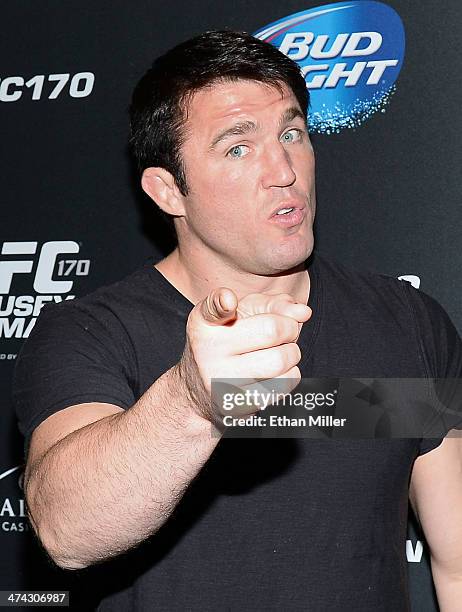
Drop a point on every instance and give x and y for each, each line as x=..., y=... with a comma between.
x=290, y=114
x=238, y=129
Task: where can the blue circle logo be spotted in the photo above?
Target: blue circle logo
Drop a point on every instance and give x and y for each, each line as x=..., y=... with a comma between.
x=350, y=54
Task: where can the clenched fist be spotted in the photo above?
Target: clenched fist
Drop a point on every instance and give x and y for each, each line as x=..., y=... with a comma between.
x=254, y=338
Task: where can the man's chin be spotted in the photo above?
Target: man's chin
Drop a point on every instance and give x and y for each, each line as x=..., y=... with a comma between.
x=280, y=261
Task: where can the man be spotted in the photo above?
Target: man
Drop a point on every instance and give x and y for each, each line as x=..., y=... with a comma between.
x=113, y=390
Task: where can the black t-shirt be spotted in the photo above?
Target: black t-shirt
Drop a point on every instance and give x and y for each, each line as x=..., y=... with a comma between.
x=296, y=524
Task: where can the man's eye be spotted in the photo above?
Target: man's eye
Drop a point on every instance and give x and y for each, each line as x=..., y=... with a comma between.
x=292, y=135
x=237, y=151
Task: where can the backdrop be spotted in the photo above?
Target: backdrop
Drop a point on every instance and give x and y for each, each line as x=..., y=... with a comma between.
x=386, y=127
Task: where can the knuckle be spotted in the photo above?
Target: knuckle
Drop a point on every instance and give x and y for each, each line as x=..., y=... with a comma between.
x=287, y=357
x=295, y=373
x=296, y=353
x=279, y=362
x=270, y=328
x=292, y=329
x=291, y=356
x=287, y=329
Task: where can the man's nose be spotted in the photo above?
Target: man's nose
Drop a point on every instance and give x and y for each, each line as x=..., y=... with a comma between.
x=277, y=168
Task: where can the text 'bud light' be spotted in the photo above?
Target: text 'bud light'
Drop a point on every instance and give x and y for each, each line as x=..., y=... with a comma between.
x=350, y=54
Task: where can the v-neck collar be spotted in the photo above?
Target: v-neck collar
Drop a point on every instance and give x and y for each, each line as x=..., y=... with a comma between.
x=309, y=330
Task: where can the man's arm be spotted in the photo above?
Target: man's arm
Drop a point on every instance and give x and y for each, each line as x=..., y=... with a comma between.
x=110, y=484
x=98, y=488
x=436, y=497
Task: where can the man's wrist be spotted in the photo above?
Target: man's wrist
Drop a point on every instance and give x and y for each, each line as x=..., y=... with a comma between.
x=197, y=400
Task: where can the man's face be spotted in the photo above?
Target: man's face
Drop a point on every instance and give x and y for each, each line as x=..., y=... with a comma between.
x=246, y=154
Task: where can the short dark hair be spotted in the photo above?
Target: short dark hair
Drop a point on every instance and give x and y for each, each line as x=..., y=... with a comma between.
x=159, y=105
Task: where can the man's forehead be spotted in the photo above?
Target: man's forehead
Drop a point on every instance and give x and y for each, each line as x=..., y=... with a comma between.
x=227, y=99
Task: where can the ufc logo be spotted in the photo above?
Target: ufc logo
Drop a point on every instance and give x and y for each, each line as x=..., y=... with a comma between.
x=43, y=281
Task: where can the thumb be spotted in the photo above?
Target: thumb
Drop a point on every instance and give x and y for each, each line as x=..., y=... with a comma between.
x=219, y=307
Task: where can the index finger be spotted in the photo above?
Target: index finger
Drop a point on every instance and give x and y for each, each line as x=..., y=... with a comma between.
x=219, y=306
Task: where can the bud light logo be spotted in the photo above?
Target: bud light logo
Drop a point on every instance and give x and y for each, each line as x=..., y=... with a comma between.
x=350, y=54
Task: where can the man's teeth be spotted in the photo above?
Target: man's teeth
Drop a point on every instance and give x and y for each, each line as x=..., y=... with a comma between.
x=284, y=211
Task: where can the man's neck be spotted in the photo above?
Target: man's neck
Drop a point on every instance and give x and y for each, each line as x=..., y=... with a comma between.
x=195, y=282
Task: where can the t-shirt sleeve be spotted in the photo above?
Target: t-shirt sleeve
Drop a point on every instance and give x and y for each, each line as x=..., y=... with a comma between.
x=441, y=350
x=74, y=355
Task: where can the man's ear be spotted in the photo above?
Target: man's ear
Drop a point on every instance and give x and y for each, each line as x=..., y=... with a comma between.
x=160, y=186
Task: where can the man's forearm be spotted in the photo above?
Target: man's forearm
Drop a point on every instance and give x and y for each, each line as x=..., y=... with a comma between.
x=108, y=486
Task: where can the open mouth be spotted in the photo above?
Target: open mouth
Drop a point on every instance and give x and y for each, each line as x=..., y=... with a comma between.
x=285, y=211
x=288, y=216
